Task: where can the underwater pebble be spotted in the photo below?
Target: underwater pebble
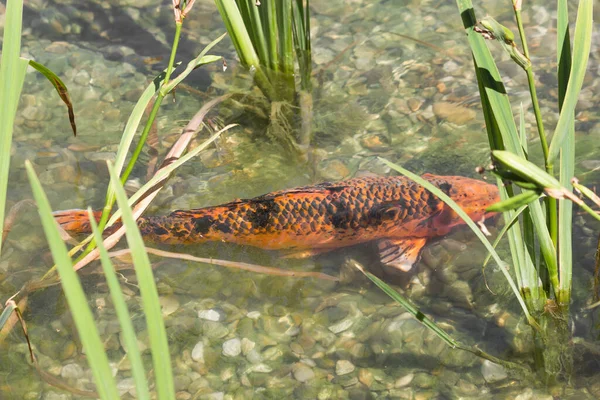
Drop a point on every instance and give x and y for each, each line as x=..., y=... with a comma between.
x=247, y=346
x=232, y=347
x=365, y=377
x=214, y=396
x=253, y=314
x=168, y=304
x=126, y=385
x=56, y=396
x=343, y=367
x=492, y=372
x=341, y=326
x=302, y=372
x=198, y=352
x=404, y=381
x=453, y=113
x=209, y=315
x=71, y=371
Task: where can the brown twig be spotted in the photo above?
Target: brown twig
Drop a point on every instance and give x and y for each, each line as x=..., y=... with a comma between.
x=232, y=264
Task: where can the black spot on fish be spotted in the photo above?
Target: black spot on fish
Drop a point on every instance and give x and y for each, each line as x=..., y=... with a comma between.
x=340, y=218
x=261, y=212
x=203, y=224
x=223, y=227
x=159, y=231
x=446, y=187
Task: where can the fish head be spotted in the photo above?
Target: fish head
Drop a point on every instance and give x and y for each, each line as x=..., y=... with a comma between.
x=472, y=195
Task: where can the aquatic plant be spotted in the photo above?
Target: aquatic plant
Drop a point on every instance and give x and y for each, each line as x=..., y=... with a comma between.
x=539, y=235
x=268, y=37
x=12, y=74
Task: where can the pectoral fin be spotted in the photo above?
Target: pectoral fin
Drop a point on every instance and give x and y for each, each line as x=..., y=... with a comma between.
x=401, y=254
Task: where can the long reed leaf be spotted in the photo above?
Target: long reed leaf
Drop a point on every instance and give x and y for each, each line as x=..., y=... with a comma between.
x=491, y=82
x=159, y=345
x=12, y=76
x=129, y=337
x=567, y=158
x=202, y=59
x=82, y=315
x=582, y=41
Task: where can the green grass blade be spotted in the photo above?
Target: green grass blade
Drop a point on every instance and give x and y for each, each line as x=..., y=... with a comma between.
x=156, y=328
x=202, y=59
x=82, y=315
x=250, y=12
x=237, y=31
x=12, y=76
x=234, y=24
x=459, y=211
x=509, y=224
x=563, y=49
x=131, y=343
x=165, y=172
x=490, y=79
x=61, y=89
x=522, y=132
x=301, y=36
x=6, y=313
x=286, y=49
x=567, y=157
x=582, y=42
x=397, y=297
x=269, y=16
x=514, y=202
x=501, y=114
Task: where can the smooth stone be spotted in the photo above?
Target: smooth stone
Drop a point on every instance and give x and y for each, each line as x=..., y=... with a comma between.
x=247, y=346
x=214, y=396
x=453, y=113
x=404, y=381
x=209, y=315
x=493, y=372
x=169, y=304
x=126, y=385
x=181, y=382
x=253, y=314
x=343, y=367
x=71, y=371
x=302, y=372
x=198, y=352
x=341, y=326
x=232, y=347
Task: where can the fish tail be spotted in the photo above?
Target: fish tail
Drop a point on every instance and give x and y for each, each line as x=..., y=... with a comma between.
x=76, y=221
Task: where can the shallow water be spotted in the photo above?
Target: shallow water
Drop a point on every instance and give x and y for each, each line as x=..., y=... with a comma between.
x=239, y=334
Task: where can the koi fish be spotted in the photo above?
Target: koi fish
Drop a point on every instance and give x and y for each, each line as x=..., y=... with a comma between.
x=395, y=212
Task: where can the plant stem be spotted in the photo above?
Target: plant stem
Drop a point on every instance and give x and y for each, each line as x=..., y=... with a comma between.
x=551, y=203
x=110, y=201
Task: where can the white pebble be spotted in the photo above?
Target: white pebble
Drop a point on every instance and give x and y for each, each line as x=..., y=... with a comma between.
x=493, y=372
x=198, y=352
x=232, y=347
x=71, y=371
x=209, y=315
x=343, y=367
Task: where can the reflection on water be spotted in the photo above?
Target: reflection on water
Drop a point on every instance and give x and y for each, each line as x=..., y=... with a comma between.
x=240, y=334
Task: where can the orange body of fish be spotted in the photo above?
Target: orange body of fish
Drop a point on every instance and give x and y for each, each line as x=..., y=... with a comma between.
x=397, y=213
